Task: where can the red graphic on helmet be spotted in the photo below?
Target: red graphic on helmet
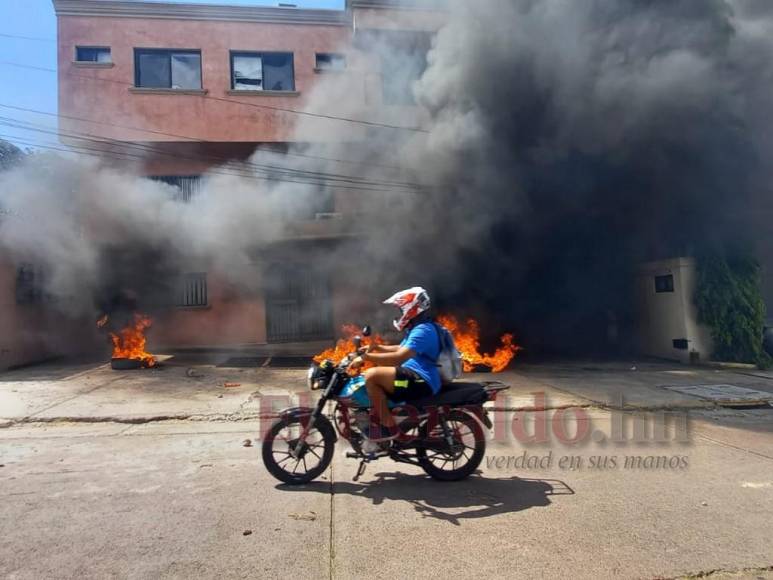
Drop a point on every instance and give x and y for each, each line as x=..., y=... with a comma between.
x=411, y=303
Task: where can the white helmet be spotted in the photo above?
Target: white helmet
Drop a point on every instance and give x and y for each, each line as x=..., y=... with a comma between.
x=411, y=303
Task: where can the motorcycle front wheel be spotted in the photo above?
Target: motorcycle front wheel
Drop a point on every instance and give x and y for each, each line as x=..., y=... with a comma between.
x=293, y=461
x=446, y=462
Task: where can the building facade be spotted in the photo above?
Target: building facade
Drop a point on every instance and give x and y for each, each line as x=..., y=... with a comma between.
x=179, y=89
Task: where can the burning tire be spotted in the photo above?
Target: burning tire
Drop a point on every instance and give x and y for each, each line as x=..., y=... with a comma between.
x=126, y=364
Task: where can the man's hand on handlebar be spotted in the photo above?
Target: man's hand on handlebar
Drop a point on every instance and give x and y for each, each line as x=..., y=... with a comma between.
x=356, y=363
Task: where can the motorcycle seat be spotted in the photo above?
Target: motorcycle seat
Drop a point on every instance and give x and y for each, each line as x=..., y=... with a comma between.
x=456, y=393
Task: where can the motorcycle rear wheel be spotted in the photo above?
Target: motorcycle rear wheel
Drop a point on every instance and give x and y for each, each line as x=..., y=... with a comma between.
x=464, y=458
x=283, y=438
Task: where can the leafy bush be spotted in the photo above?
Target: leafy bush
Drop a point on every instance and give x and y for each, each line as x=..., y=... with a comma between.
x=729, y=300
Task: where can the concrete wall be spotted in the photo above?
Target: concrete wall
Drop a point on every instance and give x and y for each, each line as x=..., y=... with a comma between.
x=231, y=318
x=666, y=316
x=35, y=332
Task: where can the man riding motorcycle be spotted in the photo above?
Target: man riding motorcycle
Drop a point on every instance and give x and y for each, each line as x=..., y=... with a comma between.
x=403, y=372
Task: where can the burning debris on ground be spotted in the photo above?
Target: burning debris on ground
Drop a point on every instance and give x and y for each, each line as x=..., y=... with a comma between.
x=129, y=343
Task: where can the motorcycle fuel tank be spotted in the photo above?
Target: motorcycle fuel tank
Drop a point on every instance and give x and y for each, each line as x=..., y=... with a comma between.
x=355, y=392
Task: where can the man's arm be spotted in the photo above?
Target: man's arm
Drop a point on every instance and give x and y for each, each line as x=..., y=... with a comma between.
x=383, y=348
x=389, y=359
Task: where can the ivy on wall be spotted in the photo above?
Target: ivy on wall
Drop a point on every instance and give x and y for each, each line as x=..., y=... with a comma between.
x=729, y=301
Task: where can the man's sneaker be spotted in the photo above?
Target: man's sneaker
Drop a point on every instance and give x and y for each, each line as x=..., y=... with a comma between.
x=378, y=439
x=380, y=433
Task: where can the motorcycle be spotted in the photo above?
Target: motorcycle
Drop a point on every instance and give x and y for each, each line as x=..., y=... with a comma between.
x=442, y=434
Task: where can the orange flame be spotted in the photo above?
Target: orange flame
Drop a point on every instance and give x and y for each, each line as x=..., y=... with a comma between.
x=466, y=337
x=130, y=341
x=345, y=345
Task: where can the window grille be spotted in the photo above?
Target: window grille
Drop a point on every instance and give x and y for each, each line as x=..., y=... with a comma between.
x=193, y=290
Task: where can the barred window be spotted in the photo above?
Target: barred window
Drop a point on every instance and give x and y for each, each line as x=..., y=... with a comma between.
x=188, y=186
x=30, y=284
x=192, y=290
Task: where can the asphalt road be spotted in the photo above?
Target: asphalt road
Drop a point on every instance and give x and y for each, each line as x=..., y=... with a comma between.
x=160, y=498
x=175, y=499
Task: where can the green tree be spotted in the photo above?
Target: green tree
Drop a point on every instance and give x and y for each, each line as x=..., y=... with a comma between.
x=729, y=300
x=9, y=154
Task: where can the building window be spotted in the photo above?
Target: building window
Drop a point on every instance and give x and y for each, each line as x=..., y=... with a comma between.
x=322, y=204
x=329, y=61
x=96, y=54
x=192, y=291
x=188, y=186
x=167, y=69
x=262, y=71
x=402, y=64
x=664, y=283
x=30, y=284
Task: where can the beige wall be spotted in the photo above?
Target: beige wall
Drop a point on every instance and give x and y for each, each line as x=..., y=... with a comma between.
x=665, y=316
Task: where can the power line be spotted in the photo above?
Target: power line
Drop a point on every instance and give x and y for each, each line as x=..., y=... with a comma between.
x=241, y=171
x=191, y=139
x=271, y=172
x=230, y=101
x=4, y=35
x=128, y=156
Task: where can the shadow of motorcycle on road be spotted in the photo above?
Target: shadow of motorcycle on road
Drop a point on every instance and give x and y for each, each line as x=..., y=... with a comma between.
x=476, y=497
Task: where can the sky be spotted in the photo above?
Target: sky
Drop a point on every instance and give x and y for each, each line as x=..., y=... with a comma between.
x=37, y=89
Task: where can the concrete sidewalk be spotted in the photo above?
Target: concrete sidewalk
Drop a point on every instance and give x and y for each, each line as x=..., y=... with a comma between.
x=183, y=388
x=170, y=391
x=636, y=384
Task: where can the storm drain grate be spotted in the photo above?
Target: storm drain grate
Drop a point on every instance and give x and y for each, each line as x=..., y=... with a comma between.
x=725, y=395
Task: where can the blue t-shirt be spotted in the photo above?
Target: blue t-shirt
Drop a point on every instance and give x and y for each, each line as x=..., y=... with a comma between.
x=423, y=339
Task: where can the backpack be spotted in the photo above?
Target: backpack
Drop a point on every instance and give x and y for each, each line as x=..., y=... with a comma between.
x=449, y=360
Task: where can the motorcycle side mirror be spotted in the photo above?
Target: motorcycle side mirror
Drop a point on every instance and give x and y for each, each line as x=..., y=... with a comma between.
x=366, y=330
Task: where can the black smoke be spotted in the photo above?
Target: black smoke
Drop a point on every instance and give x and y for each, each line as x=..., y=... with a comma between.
x=571, y=141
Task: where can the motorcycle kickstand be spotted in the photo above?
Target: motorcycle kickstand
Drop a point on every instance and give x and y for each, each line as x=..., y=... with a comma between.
x=360, y=470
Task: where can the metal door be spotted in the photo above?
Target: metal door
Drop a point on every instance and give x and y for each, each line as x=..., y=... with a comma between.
x=298, y=303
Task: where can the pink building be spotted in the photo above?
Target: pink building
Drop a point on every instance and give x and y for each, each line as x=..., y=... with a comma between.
x=192, y=86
